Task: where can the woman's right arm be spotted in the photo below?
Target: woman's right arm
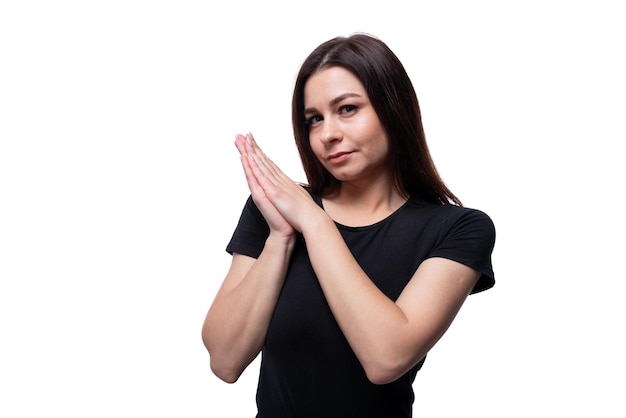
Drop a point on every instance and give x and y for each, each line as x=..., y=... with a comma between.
x=236, y=324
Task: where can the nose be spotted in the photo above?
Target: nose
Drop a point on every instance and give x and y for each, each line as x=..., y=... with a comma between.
x=330, y=131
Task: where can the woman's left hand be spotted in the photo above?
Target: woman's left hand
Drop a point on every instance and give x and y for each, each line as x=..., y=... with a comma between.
x=292, y=201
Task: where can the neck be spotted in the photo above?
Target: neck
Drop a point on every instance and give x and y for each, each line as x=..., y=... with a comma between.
x=358, y=206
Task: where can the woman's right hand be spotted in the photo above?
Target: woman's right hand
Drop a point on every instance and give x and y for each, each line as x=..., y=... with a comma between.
x=277, y=223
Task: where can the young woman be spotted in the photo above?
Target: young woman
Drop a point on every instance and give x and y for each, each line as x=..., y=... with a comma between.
x=345, y=284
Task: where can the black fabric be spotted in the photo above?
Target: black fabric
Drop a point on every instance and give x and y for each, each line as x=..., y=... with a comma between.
x=307, y=367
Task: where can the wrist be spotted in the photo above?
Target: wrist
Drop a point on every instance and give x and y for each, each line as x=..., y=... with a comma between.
x=280, y=242
x=316, y=222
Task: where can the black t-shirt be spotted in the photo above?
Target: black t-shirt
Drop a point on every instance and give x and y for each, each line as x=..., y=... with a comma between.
x=308, y=368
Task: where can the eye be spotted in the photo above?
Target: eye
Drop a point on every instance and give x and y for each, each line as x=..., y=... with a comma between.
x=347, y=109
x=313, y=120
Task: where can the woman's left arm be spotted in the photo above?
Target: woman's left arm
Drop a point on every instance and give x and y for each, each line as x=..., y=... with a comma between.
x=387, y=337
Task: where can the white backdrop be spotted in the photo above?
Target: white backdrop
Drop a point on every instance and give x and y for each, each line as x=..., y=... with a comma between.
x=120, y=187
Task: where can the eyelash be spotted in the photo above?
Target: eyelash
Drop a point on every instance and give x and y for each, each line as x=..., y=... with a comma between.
x=343, y=109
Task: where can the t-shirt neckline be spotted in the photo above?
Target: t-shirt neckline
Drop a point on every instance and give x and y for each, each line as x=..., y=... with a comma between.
x=318, y=200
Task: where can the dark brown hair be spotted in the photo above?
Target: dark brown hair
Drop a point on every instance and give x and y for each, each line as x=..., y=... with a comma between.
x=393, y=97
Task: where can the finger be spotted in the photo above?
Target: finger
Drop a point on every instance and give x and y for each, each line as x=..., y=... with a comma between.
x=245, y=158
x=253, y=185
x=253, y=148
x=240, y=143
x=267, y=175
x=263, y=162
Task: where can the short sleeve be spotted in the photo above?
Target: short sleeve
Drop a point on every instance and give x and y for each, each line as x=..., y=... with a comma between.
x=251, y=232
x=470, y=240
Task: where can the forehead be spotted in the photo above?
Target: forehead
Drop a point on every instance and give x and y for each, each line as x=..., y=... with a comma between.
x=331, y=82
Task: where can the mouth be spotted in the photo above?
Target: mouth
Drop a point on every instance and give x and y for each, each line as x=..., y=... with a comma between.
x=338, y=157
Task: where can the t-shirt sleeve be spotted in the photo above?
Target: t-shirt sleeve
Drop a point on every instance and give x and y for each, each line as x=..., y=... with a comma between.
x=470, y=241
x=251, y=232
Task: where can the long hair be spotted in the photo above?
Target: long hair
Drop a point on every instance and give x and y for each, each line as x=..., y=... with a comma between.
x=394, y=100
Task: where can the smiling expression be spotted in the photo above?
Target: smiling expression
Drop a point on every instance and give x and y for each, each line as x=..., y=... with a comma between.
x=344, y=131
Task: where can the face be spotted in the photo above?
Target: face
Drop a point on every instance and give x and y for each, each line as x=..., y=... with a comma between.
x=344, y=130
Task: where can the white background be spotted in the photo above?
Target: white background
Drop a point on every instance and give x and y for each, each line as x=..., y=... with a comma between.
x=120, y=187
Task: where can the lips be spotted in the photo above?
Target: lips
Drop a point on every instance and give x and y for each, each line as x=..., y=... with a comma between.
x=338, y=156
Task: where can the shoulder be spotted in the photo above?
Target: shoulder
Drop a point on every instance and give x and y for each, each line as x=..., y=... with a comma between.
x=448, y=216
x=471, y=218
x=466, y=235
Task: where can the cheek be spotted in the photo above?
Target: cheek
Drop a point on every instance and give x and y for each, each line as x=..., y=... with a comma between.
x=368, y=127
x=316, y=146
x=377, y=138
x=380, y=143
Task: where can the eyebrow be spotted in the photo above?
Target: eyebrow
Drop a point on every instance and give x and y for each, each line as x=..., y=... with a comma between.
x=333, y=102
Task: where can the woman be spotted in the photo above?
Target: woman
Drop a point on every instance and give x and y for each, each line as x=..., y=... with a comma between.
x=346, y=283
